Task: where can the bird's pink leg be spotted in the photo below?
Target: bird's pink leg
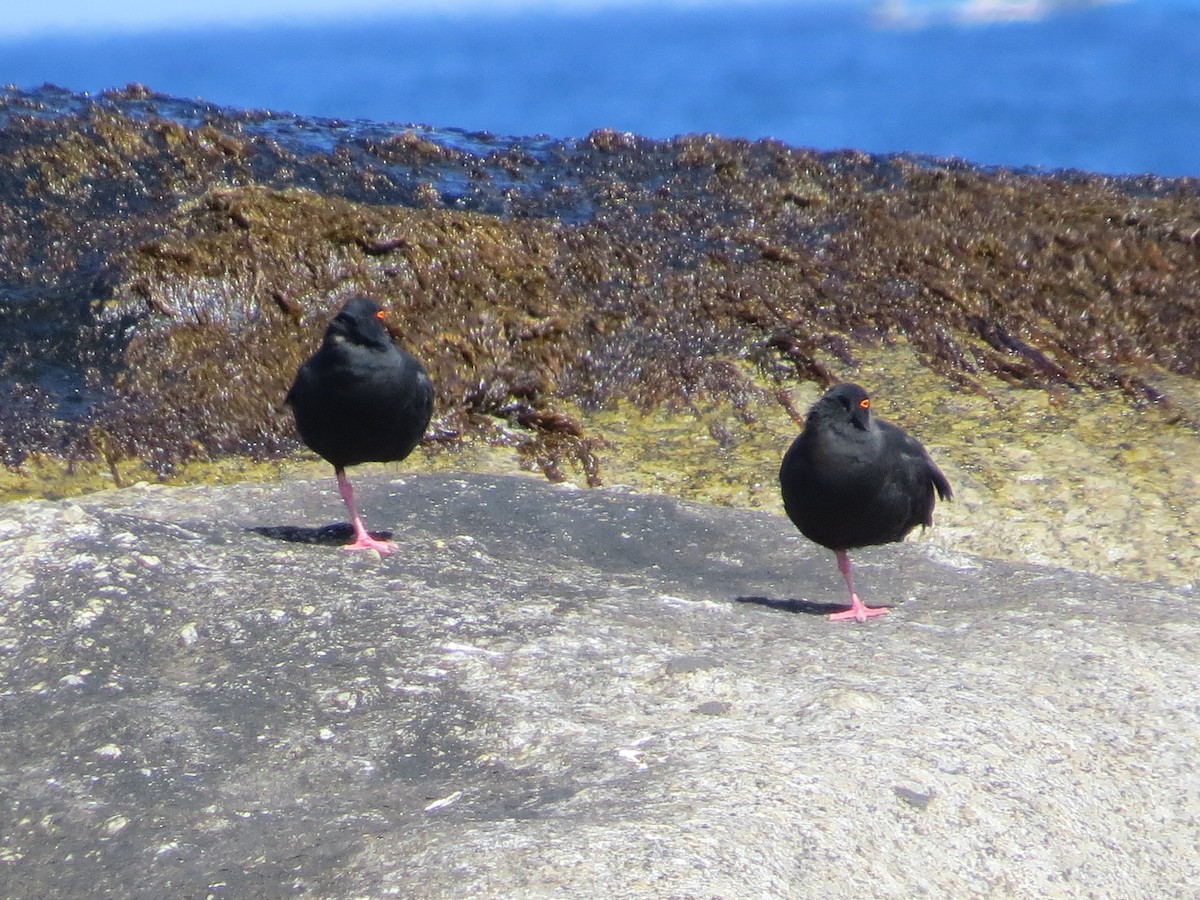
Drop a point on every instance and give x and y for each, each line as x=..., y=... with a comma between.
x=858, y=610
x=362, y=540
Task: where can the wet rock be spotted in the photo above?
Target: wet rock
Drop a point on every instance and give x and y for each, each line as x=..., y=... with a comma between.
x=550, y=689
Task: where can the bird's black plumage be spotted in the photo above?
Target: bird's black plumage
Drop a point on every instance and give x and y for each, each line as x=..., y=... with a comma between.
x=360, y=398
x=850, y=480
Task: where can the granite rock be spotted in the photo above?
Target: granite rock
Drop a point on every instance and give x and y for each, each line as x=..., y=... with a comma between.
x=557, y=692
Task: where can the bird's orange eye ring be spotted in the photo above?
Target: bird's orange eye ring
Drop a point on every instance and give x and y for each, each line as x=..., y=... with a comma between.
x=381, y=315
x=865, y=403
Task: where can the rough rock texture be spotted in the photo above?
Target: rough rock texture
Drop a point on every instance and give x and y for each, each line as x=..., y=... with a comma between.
x=558, y=692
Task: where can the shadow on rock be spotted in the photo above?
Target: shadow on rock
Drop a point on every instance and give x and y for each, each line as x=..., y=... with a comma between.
x=806, y=607
x=331, y=535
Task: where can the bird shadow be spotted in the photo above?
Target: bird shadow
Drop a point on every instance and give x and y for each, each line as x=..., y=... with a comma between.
x=333, y=535
x=803, y=607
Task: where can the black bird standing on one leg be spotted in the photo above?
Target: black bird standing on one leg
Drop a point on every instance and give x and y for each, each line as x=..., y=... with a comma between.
x=360, y=398
x=850, y=481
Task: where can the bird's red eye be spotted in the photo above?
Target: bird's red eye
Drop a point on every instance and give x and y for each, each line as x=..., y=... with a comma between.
x=381, y=315
x=865, y=403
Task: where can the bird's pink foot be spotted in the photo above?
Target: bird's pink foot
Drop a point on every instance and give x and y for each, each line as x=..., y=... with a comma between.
x=362, y=538
x=365, y=542
x=858, y=611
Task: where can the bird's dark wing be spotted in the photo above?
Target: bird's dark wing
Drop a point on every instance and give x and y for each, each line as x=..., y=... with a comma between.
x=913, y=476
x=916, y=459
x=940, y=483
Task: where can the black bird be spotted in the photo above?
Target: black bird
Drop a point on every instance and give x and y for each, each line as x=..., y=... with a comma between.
x=360, y=398
x=852, y=481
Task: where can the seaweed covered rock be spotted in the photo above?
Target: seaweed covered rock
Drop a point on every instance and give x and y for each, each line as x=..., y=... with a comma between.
x=163, y=262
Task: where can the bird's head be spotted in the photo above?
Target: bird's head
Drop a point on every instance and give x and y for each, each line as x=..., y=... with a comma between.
x=848, y=403
x=359, y=321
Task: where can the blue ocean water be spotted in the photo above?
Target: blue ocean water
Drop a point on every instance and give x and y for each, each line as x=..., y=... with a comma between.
x=1107, y=88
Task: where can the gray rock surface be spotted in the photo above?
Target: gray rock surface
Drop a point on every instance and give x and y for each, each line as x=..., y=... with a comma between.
x=570, y=693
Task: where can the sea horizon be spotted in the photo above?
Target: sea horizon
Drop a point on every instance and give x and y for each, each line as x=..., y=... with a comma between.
x=1108, y=87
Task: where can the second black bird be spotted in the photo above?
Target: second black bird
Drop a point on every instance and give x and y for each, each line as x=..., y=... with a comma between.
x=850, y=480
